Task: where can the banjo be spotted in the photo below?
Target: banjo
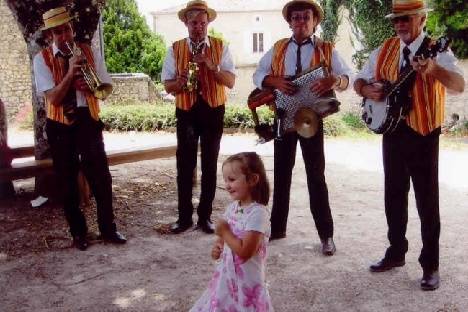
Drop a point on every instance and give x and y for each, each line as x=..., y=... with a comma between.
x=384, y=116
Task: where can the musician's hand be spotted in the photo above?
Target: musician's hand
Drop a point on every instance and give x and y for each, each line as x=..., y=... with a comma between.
x=282, y=84
x=323, y=85
x=423, y=66
x=373, y=91
x=181, y=80
x=202, y=58
x=74, y=64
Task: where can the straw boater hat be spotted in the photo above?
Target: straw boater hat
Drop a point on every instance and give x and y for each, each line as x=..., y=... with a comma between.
x=407, y=7
x=314, y=6
x=56, y=17
x=197, y=5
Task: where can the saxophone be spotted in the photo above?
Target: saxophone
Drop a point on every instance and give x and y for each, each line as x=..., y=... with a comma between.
x=193, y=67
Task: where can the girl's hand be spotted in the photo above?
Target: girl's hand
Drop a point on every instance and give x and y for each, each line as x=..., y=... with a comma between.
x=222, y=227
x=217, y=249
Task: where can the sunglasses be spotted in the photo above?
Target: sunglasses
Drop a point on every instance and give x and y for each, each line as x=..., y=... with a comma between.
x=298, y=18
x=402, y=19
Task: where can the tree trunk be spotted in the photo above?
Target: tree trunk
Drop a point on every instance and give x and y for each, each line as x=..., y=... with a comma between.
x=6, y=187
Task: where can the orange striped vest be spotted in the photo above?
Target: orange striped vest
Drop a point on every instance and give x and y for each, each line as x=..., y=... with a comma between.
x=57, y=68
x=212, y=92
x=322, y=53
x=427, y=113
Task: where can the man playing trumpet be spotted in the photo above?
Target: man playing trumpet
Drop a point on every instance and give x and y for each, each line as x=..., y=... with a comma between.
x=73, y=127
x=199, y=109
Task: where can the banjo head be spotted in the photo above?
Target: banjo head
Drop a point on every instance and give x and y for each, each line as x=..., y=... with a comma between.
x=375, y=114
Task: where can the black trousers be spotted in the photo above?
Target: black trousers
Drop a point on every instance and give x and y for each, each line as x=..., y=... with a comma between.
x=81, y=146
x=205, y=124
x=407, y=154
x=314, y=160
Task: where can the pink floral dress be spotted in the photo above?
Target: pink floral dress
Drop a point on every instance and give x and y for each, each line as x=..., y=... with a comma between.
x=238, y=286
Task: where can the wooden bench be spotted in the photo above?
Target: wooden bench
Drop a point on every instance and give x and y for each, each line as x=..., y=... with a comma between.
x=31, y=168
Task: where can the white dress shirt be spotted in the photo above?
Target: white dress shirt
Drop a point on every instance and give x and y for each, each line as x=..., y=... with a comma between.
x=169, y=65
x=445, y=59
x=339, y=66
x=45, y=80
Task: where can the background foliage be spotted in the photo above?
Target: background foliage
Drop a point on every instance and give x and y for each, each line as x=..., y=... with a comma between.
x=450, y=17
x=129, y=43
x=371, y=28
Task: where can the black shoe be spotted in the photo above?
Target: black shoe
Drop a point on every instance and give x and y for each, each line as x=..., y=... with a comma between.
x=80, y=242
x=114, y=238
x=430, y=280
x=386, y=264
x=179, y=227
x=328, y=247
x=206, y=226
x=277, y=235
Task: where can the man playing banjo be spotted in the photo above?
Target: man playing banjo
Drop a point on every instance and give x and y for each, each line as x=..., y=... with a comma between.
x=283, y=60
x=412, y=149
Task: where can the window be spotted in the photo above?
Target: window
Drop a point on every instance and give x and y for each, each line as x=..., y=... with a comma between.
x=257, y=43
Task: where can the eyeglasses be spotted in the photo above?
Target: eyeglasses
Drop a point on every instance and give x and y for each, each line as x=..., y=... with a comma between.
x=298, y=18
x=402, y=19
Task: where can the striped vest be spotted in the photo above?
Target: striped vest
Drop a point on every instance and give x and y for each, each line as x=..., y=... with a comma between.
x=322, y=53
x=427, y=112
x=57, y=68
x=211, y=91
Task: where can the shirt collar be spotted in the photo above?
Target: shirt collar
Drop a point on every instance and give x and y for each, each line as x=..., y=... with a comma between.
x=413, y=46
x=206, y=41
x=311, y=38
x=56, y=50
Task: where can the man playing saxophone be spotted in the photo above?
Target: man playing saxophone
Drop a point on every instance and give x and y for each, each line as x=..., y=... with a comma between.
x=73, y=127
x=199, y=109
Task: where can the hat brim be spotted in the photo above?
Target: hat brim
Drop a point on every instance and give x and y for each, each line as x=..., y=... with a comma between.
x=210, y=12
x=57, y=23
x=317, y=9
x=411, y=12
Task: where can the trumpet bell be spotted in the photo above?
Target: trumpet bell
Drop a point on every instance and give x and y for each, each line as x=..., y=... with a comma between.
x=103, y=90
x=306, y=122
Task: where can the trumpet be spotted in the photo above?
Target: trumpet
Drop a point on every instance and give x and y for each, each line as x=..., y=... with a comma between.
x=194, y=68
x=99, y=89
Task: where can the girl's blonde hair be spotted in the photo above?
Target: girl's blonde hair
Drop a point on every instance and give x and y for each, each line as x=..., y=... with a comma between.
x=252, y=164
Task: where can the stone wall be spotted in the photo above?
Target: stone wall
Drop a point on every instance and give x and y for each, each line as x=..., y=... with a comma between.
x=15, y=72
x=132, y=88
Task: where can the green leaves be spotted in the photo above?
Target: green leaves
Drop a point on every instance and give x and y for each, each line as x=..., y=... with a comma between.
x=130, y=45
x=450, y=17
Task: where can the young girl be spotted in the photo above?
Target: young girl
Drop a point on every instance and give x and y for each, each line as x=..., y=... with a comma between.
x=238, y=284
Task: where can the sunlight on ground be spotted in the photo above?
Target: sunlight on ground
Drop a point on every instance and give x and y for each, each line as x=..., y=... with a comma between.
x=125, y=302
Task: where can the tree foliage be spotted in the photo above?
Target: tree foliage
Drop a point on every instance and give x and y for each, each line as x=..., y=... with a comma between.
x=368, y=22
x=450, y=18
x=130, y=45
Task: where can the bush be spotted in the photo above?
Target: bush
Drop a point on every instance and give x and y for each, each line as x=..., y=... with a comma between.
x=353, y=121
x=138, y=117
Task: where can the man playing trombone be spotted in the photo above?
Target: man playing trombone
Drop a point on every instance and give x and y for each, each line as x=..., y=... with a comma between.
x=67, y=75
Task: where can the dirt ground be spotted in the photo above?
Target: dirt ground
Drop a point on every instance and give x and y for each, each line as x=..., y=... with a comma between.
x=39, y=271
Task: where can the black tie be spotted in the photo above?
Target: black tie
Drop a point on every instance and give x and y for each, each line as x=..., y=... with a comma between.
x=406, y=61
x=298, y=55
x=69, y=101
